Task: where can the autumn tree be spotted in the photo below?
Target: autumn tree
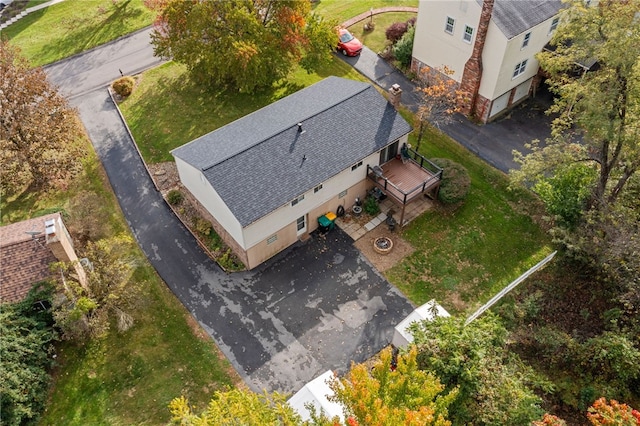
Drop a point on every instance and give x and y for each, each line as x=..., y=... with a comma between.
x=594, y=71
x=439, y=98
x=39, y=132
x=242, y=44
x=404, y=395
x=110, y=291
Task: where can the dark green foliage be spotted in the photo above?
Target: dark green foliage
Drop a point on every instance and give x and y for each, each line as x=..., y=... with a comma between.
x=496, y=388
x=124, y=86
x=566, y=193
x=26, y=337
x=371, y=206
x=174, y=197
x=455, y=182
x=403, y=49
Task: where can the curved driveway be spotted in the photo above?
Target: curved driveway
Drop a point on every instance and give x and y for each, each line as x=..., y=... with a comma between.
x=314, y=307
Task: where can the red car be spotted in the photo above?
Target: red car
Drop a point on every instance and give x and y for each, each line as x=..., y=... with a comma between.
x=348, y=44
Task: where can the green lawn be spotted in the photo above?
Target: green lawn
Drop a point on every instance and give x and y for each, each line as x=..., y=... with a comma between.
x=167, y=110
x=341, y=10
x=376, y=39
x=126, y=378
x=464, y=257
x=73, y=26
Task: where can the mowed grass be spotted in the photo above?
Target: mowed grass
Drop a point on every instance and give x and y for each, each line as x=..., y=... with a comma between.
x=341, y=10
x=167, y=110
x=73, y=26
x=376, y=39
x=126, y=378
x=464, y=256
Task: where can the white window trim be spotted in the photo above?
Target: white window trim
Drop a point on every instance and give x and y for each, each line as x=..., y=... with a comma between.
x=520, y=68
x=453, y=25
x=526, y=40
x=464, y=34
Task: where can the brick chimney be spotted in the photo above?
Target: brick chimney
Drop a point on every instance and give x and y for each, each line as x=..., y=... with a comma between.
x=472, y=74
x=395, y=92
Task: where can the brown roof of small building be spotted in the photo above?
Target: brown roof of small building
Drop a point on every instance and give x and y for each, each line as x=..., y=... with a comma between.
x=24, y=260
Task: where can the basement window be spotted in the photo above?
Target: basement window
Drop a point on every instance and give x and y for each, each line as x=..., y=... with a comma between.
x=272, y=239
x=297, y=200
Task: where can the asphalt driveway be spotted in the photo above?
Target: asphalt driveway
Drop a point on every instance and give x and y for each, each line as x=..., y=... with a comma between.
x=317, y=306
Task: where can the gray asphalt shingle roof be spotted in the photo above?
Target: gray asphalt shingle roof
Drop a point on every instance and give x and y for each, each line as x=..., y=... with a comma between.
x=515, y=17
x=261, y=162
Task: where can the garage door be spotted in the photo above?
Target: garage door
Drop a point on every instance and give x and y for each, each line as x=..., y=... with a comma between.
x=522, y=91
x=499, y=104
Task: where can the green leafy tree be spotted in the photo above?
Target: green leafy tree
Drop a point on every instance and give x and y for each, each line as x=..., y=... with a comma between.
x=405, y=395
x=39, y=132
x=598, y=111
x=403, y=49
x=26, y=346
x=110, y=292
x=242, y=44
x=495, y=387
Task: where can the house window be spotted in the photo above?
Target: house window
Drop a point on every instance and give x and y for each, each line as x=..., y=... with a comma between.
x=554, y=24
x=355, y=166
x=317, y=188
x=342, y=194
x=272, y=239
x=519, y=69
x=297, y=200
x=300, y=223
x=448, y=28
x=468, y=34
x=525, y=41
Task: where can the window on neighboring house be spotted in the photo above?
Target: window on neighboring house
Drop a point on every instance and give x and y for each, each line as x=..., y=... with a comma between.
x=297, y=200
x=520, y=68
x=468, y=34
x=317, y=188
x=355, y=166
x=448, y=28
x=300, y=223
x=272, y=239
x=525, y=41
x=554, y=24
x=342, y=194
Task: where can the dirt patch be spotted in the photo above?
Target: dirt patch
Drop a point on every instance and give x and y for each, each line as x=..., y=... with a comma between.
x=165, y=176
x=382, y=262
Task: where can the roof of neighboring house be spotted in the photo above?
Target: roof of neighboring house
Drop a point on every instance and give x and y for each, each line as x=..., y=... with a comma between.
x=515, y=17
x=261, y=161
x=24, y=260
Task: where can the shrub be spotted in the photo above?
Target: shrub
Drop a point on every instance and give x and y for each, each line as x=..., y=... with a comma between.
x=455, y=182
x=174, y=197
x=371, y=206
x=124, y=86
x=395, y=31
x=203, y=226
x=404, y=47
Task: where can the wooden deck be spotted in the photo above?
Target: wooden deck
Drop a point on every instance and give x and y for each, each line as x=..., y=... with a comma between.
x=408, y=178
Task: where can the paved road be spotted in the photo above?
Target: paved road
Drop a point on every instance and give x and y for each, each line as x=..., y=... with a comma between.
x=315, y=307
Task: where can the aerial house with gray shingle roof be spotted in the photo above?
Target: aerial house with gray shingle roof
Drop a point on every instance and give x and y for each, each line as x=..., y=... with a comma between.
x=490, y=45
x=266, y=178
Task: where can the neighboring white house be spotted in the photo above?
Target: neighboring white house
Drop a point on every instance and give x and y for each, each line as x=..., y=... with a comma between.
x=317, y=393
x=266, y=178
x=402, y=337
x=490, y=45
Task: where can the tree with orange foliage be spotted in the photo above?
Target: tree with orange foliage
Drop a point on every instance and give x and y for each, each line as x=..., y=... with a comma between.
x=439, y=98
x=241, y=44
x=405, y=395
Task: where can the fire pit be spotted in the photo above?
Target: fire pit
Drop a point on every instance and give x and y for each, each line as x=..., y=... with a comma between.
x=383, y=245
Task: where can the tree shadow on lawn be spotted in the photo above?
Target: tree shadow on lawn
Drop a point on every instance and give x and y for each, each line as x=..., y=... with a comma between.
x=83, y=33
